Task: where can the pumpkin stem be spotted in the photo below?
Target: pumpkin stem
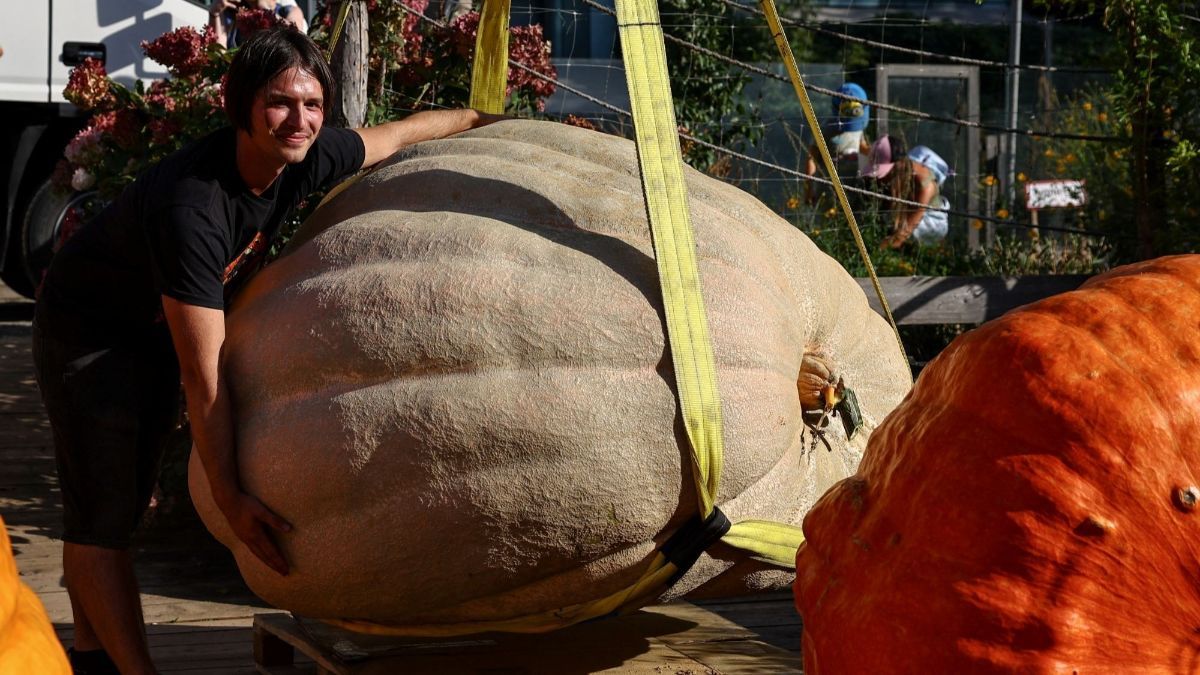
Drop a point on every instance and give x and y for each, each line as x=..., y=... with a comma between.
x=816, y=379
x=823, y=394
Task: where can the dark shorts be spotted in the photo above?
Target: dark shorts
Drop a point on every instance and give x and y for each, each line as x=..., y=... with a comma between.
x=111, y=409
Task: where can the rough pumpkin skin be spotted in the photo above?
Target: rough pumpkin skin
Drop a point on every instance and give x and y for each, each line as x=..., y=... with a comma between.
x=1031, y=505
x=27, y=641
x=455, y=385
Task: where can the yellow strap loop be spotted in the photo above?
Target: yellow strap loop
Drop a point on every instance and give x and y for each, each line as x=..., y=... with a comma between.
x=489, y=72
x=769, y=542
x=789, y=61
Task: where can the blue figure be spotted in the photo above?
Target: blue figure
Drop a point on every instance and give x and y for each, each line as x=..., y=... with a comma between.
x=843, y=131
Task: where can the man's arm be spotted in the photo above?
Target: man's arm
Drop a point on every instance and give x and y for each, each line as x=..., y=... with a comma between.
x=384, y=140
x=199, y=334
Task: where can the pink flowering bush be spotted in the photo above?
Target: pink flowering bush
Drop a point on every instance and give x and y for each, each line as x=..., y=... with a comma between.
x=130, y=129
x=415, y=64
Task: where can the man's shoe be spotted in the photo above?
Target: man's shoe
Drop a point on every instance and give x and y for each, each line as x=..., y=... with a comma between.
x=91, y=662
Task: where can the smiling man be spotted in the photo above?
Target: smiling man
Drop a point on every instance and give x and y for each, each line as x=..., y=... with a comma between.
x=134, y=303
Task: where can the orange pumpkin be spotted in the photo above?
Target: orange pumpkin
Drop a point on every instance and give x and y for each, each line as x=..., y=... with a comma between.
x=27, y=642
x=1031, y=506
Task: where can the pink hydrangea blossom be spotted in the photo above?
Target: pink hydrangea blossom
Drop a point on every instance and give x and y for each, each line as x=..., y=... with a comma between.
x=159, y=97
x=82, y=179
x=182, y=50
x=163, y=130
x=88, y=86
x=83, y=145
x=250, y=21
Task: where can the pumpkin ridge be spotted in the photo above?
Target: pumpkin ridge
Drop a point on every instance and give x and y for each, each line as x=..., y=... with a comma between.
x=556, y=266
x=1151, y=390
x=494, y=134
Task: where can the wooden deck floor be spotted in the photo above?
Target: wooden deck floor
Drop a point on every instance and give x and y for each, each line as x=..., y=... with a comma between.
x=199, y=612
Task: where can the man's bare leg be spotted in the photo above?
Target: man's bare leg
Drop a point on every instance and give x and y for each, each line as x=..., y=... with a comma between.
x=85, y=639
x=101, y=584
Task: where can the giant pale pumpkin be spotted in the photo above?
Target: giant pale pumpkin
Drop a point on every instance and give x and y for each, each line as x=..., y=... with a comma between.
x=455, y=385
x=27, y=641
x=1031, y=507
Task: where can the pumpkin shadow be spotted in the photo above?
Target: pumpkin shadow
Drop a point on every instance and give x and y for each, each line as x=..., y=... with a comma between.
x=595, y=646
x=598, y=646
x=934, y=296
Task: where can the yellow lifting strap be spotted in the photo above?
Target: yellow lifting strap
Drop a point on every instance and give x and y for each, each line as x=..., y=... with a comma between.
x=338, y=25
x=789, y=62
x=661, y=162
x=489, y=72
x=687, y=327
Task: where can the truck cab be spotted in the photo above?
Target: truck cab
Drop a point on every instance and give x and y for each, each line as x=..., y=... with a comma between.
x=40, y=42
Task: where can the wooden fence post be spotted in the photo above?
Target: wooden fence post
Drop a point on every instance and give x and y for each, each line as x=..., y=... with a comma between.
x=349, y=65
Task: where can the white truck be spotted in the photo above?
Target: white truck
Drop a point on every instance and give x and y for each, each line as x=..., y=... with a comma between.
x=41, y=40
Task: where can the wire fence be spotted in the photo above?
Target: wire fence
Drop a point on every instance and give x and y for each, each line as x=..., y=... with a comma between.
x=791, y=174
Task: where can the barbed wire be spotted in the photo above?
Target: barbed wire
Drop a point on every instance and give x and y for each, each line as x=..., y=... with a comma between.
x=878, y=104
x=776, y=167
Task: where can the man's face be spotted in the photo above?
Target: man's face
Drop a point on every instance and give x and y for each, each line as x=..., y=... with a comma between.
x=287, y=116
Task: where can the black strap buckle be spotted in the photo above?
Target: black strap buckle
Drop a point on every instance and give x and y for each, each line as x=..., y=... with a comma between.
x=684, y=547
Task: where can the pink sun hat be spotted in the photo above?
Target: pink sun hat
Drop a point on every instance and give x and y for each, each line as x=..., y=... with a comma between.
x=882, y=157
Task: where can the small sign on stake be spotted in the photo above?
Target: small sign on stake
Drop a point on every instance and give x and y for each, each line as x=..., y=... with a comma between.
x=1054, y=194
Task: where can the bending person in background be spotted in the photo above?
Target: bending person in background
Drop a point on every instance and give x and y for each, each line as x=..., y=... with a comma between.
x=843, y=132
x=222, y=17
x=134, y=303
x=916, y=176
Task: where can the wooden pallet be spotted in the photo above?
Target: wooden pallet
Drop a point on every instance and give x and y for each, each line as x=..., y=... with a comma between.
x=675, y=639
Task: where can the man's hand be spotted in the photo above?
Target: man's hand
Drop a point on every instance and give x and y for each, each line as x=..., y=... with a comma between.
x=250, y=521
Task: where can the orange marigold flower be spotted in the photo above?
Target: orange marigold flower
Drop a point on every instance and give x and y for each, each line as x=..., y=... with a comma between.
x=581, y=122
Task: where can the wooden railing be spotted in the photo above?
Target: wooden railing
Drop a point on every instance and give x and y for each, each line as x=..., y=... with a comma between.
x=939, y=300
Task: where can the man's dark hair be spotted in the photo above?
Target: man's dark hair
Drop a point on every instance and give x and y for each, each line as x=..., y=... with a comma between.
x=263, y=56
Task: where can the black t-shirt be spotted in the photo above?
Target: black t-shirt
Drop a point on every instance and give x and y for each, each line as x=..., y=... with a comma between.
x=186, y=228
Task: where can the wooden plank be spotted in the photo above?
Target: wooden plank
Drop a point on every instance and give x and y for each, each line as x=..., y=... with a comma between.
x=675, y=638
x=742, y=657
x=939, y=300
